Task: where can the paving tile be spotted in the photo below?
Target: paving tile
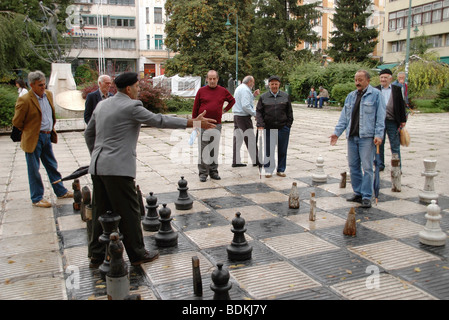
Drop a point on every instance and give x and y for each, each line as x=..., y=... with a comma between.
x=395, y=227
x=323, y=220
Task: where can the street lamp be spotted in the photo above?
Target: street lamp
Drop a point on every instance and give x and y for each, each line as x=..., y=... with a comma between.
x=407, y=52
x=228, y=24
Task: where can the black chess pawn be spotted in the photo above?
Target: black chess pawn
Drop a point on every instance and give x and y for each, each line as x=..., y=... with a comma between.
x=166, y=236
x=184, y=202
x=239, y=249
x=220, y=283
x=117, y=278
x=151, y=221
x=76, y=195
x=109, y=222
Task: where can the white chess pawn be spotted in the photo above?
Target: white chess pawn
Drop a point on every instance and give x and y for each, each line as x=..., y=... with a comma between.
x=319, y=175
x=432, y=234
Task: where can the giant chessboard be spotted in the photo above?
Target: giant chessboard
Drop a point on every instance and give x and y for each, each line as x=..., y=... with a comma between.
x=292, y=257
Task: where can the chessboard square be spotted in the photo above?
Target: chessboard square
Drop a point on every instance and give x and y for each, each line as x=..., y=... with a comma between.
x=203, y=219
x=271, y=280
x=197, y=206
x=212, y=237
x=71, y=222
x=401, y=207
x=45, y=287
x=175, y=267
x=395, y=228
x=323, y=220
x=228, y=202
x=249, y=188
x=335, y=188
x=77, y=256
x=267, y=197
x=392, y=254
x=389, y=288
x=249, y=213
x=210, y=193
x=406, y=192
x=331, y=203
x=298, y=244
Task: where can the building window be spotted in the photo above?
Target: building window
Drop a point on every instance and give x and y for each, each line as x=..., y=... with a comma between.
x=148, y=42
x=147, y=15
x=435, y=41
x=158, y=42
x=158, y=15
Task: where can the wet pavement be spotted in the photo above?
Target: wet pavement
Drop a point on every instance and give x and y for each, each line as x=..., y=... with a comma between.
x=43, y=252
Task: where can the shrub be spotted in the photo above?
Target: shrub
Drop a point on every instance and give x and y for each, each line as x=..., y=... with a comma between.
x=340, y=91
x=151, y=97
x=8, y=98
x=442, y=100
x=177, y=104
x=85, y=74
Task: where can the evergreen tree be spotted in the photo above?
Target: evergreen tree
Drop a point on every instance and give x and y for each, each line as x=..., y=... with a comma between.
x=353, y=40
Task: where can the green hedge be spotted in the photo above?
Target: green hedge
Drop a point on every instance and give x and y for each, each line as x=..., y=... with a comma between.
x=8, y=98
x=340, y=91
x=442, y=100
x=177, y=104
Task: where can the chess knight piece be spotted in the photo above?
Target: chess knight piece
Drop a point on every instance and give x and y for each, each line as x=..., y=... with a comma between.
x=293, y=197
x=117, y=278
x=76, y=195
x=319, y=175
x=184, y=202
x=109, y=222
x=220, y=283
x=395, y=173
x=350, y=226
x=151, y=221
x=239, y=249
x=432, y=234
x=166, y=236
x=429, y=194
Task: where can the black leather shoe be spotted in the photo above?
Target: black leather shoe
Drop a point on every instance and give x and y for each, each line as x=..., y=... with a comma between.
x=95, y=263
x=147, y=257
x=355, y=198
x=366, y=203
x=239, y=165
x=215, y=176
x=203, y=179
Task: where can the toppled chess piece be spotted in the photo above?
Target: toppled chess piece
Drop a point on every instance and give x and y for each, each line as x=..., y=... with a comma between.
x=319, y=175
x=239, y=249
x=220, y=283
x=76, y=195
x=293, y=197
x=117, y=278
x=184, y=202
x=312, y=213
x=166, y=236
x=197, y=281
x=350, y=228
x=343, y=180
x=432, y=234
x=429, y=194
x=151, y=220
x=395, y=173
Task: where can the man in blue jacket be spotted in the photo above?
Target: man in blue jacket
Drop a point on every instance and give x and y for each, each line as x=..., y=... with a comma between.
x=363, y=118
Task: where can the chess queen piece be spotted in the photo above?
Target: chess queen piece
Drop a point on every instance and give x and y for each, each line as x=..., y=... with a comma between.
x=239, y=249
x=432, y=234
x=220, y=283
x=184, y=202
x=350, y=228
x=312, y=213
x=293, y=197
x=395, y=173
x=117, y=278
x=76, y=194
x=109, y=222
x=151, y=221
x=166, y=236
x=429, y=194
x=319, y=175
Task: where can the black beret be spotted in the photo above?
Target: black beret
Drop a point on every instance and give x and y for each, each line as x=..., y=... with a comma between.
x=274, y=78
x=126, y=79
x=386, y=71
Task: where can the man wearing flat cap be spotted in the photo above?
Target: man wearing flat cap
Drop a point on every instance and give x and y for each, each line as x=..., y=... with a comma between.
x=274, y=113
x=396, y=115
x=111, y=137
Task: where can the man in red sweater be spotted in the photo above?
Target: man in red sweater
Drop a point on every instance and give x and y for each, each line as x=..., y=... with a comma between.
x=210, y=98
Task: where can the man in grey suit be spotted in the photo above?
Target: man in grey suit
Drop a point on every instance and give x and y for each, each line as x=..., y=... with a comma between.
x=111, y=138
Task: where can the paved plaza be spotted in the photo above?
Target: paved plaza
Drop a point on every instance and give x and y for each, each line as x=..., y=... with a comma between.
x=43, y=252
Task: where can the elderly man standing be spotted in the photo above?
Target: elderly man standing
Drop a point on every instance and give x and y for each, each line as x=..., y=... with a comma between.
x=92, y=99
x=35, y=117
x=111, y=137
x=363, y=118
x=211, y=98
x=396, y=116
x=243, y=110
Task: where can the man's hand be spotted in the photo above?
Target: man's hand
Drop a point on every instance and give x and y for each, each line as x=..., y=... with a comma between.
x=256, y=93
x=334, y=139
x=206, y=123
x=377, y=141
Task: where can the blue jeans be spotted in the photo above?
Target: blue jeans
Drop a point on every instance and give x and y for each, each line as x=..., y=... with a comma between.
x=44, y=153
x=311, y=101
x=271, y=141
x=391, y=128
x=322, y=101
x=360, y=159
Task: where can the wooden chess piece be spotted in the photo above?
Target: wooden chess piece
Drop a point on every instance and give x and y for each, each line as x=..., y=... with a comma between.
x=350, y=225
x=76, y=194
x=220, y=283
x=312, y=213
x=293, y=197
x=166, y=236
x=197, y=281
x=239, y=249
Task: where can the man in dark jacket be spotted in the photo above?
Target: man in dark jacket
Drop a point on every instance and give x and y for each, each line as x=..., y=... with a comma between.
x=275, y=114
x=92, y=99
x=396, y=115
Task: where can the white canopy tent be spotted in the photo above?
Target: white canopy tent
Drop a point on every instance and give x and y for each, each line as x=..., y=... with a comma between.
x=179, y=86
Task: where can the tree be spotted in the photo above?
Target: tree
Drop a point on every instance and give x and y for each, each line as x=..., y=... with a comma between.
x=352, y=40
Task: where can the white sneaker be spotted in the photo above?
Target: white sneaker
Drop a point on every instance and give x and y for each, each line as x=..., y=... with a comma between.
x=42, y=204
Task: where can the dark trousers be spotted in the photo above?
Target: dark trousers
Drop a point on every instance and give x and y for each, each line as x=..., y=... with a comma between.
x=119, y=195
x=273, y=138
x=208, y=144
x=243, y=131
x=391, y=129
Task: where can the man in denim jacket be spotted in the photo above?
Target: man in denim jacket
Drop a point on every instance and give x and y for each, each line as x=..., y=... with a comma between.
x=363, y=118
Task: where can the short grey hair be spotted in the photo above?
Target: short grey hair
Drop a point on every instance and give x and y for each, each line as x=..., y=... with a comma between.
x=402, y=73
x=102, y=78
x=247, y=79
x=367, y=75
x=35, y=76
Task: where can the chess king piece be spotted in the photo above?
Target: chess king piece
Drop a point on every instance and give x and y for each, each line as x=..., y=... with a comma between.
x=184, y=202
x=350, y=226
x=151, y=221
x=109, y=222
x=293, y=197
x=197, y=281
x=220, y=283
x=85, y=203
x=343, y=180
x=395, y=173
x=239, y=249
x=429, y=194
x=312, y=213
x=166, y=236
x=76, y=194
x=432, y=234
x=319, y=175
x=117, y=278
